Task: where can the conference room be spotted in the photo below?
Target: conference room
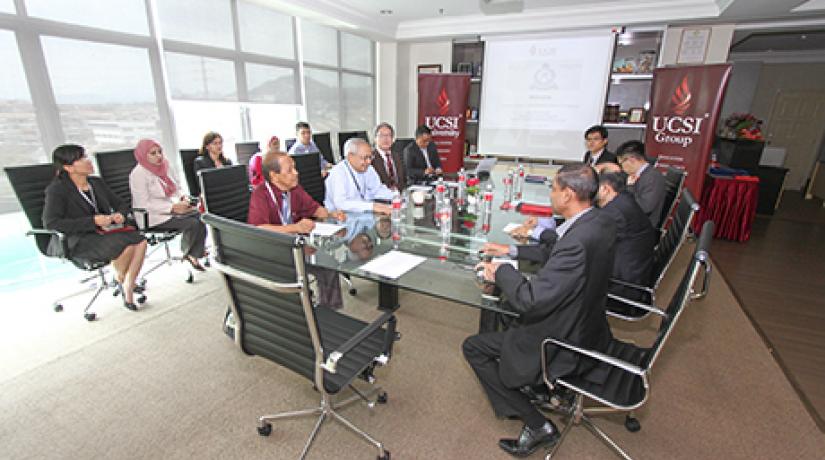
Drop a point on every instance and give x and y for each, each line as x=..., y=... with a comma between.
x=225, y=347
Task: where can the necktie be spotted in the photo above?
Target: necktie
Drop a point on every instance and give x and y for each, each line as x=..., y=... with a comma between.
x=390, y=168
x=286, y=217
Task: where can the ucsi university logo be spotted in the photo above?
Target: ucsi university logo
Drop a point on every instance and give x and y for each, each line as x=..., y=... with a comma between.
x=679, y=129
x=443, y=125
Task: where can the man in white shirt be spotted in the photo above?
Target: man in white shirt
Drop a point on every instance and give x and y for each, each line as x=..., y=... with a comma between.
x=304, y=144
x=352, y=185
x=388, y=165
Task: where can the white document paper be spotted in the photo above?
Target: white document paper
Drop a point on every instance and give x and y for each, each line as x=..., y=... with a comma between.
x=504, y=260
x=393, y=264
x=419, y=187
x=325, y=229
x=510, y=227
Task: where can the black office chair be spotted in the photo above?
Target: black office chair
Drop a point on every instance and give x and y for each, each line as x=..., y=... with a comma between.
x=114, y=168
x=269, y=291
x=343, y=136
x=226, y=191
x=663, y=257
x=245, y=150
x=627, y=385
x=400, y=144
x=288, y=144
x=187, y=162
x=322, y=141
x=674, y=181
x=309, y=175
x=29, y=184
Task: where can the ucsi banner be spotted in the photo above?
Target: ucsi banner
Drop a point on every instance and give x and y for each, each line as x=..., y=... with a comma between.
x=442, y=104
x=681, y=123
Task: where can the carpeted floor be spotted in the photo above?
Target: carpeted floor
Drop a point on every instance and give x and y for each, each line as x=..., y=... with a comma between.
x=166, y=383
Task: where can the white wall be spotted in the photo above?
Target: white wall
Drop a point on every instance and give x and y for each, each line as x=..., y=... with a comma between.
x=410, y=56
x=718, y=48
x=387, y=82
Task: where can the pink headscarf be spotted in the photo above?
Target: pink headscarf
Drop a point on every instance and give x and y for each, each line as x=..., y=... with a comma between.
x=161, y=170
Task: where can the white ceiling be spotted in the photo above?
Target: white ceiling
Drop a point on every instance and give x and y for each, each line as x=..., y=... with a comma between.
x=438, y=19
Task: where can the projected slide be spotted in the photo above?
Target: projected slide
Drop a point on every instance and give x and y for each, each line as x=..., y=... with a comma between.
x=540, y=94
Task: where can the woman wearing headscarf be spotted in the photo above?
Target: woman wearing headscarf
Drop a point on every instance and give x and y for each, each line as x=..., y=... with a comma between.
x=256, y=175
x=93, y=219
x=155, y=188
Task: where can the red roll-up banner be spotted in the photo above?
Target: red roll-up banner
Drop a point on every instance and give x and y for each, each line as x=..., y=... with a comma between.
x=681, y=122
x=442, y=104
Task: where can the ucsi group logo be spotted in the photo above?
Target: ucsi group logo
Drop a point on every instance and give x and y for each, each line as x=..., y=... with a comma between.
x=679, y=129
x=443, y=125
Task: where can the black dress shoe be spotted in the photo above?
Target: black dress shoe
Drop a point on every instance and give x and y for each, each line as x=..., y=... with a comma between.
x=530, y=439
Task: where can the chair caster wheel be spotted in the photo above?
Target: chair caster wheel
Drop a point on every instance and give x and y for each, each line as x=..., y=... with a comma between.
x=58, y=307
x=632, y=424
x=141, y=299
x=353, y=291
x=206, y=263
x=265, y=430
x=90, y=316
x=190, y=279
x=382, y=398
x=386, y=456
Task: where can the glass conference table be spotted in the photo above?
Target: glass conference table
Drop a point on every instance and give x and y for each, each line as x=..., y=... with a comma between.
x=448, y=269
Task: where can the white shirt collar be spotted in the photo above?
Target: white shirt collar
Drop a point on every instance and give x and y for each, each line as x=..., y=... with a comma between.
x=563, y=228
x=642, y=169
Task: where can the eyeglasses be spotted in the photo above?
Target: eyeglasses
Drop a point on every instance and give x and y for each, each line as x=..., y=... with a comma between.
x=593, y=139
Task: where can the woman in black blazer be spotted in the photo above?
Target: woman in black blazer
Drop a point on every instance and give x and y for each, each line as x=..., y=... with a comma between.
x=86, y=210
x=211, y=153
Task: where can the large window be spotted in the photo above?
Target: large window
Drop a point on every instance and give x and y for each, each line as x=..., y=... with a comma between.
x=339, y=95
x=203, y=22
x=199, y=77
x=264, y=31
x=119, y=15
x=20, y=141
x=104, y=92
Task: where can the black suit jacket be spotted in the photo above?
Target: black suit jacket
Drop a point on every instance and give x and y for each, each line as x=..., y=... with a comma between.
x=635, y=239
x=415, y=162
x=205, y=162
x=564, y=299
x=68, y=212
x=649, y=191
x=381, y=168
x=606, y=157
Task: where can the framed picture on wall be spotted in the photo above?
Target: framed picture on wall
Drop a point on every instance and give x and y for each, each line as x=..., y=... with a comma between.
x=429, y=68
x=694, y=46
x=636, y=115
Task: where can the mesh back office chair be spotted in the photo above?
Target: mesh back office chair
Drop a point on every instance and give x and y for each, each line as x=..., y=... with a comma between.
x=674, y=181
x=288, y=144
x=324, y=144
x=627, y=385
x=245, y=150
x=309, y=175
x=663, y=257
x=114, y=167
x=400, y=144
x=343, y=136
x=29, y=184
x=226, y=191
x=269, y=292
x=187, y=161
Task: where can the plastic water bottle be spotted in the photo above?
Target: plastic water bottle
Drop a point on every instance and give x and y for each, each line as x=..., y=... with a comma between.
x=396, y=218
x=446, y=216
x=487, y=209
x=519, y=187
x=440, y=190
x=508, y=189
x=462, y=187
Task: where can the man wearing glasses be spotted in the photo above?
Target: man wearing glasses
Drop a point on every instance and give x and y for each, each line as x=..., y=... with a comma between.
x=388, y=164
x=353, y=185
x=595, y=138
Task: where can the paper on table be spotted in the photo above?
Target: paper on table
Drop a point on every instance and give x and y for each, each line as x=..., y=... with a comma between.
x=393, y=264
x=510, y=227
x=325, y=229
x=504, y=260
x=423, y=188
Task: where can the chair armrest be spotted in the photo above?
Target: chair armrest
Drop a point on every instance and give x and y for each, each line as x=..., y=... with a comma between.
x=650, y=308
x=336, y=355
x=607, y=359
x=145, y=216
x=60, y=236
x=705, y=280
x=631, y=285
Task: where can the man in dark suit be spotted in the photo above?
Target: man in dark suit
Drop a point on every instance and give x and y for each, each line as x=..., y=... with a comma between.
x=595, y=138
x=635, y=238
x=564, y=299
x=388, y=164
x=644, y=181
x=421, y=156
